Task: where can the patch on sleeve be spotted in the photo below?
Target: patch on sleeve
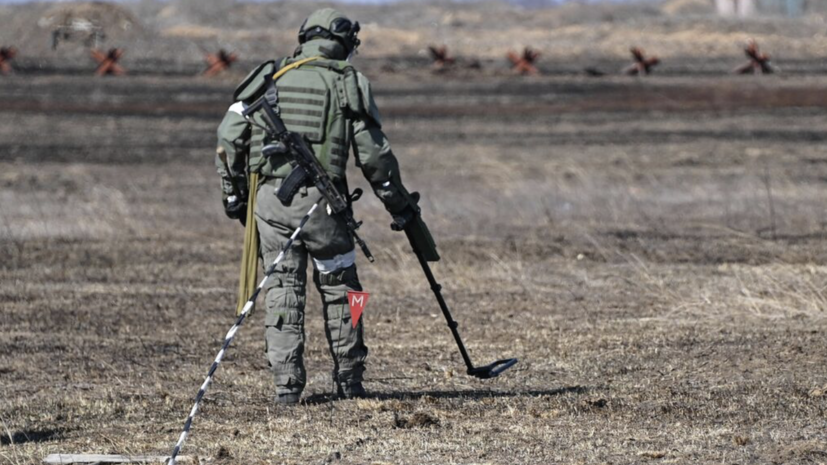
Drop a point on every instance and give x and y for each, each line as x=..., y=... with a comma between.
x=238, y=108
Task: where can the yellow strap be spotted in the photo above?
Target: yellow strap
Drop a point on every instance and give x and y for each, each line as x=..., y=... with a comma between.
x=294, y=65
x=248, y=281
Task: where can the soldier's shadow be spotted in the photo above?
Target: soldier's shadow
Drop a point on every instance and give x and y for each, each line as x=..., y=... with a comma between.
x=472, y=394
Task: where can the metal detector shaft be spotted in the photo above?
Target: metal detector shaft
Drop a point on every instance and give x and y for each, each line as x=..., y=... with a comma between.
x=424, y=247
x=437, y=288
x=491, y=370
x=231, y=335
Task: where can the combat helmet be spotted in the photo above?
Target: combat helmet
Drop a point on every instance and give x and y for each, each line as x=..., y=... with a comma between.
x=333, y=25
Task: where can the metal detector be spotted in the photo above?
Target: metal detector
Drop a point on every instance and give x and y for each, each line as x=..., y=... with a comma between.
x=425, y=249
x=492, y=370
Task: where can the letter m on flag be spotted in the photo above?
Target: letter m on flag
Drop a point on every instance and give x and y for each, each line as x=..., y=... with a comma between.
x=357, y=302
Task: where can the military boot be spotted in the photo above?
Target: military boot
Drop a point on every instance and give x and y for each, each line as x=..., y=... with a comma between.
x=288, y=399
x=351, y=391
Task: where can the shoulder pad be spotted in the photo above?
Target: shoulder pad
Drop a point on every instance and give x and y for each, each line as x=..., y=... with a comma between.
x=254, y=81
x=356, y=96
x=368, y=103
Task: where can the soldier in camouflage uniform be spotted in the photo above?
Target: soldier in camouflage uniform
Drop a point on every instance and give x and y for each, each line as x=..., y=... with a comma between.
x=330, y=103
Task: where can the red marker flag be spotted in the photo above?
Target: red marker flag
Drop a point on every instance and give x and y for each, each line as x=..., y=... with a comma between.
x=357, y=302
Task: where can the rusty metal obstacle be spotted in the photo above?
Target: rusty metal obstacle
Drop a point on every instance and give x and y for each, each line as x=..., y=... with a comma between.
x=7, y=54
x=440, y=57
x=219, y=62
x=643, y=65
x=524, y=63
x=108, y=62
x=759, y=63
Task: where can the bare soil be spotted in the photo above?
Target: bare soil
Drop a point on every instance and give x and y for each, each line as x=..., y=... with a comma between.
x=652, y=250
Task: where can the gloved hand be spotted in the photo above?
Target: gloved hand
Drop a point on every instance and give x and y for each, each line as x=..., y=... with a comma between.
x=236, y=209
x=402, y=218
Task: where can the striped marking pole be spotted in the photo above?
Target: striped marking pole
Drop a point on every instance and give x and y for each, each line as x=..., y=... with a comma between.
x=231, y=334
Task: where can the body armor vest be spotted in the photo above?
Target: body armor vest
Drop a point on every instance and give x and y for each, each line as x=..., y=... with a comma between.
x=312, y=101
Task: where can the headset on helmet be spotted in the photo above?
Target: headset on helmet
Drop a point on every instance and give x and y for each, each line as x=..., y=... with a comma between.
x=340, y=29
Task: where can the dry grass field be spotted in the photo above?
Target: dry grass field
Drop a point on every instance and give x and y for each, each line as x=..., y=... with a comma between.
x=652, y=250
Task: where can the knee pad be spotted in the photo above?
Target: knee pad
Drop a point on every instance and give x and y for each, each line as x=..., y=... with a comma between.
x=285, y=299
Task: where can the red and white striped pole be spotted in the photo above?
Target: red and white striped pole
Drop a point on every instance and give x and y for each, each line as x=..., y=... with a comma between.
x=231, y=334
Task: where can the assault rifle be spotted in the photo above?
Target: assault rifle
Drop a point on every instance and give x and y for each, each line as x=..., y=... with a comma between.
x=307, y=169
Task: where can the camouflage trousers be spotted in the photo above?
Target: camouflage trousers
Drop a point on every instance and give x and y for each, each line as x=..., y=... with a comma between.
x=326, y=242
